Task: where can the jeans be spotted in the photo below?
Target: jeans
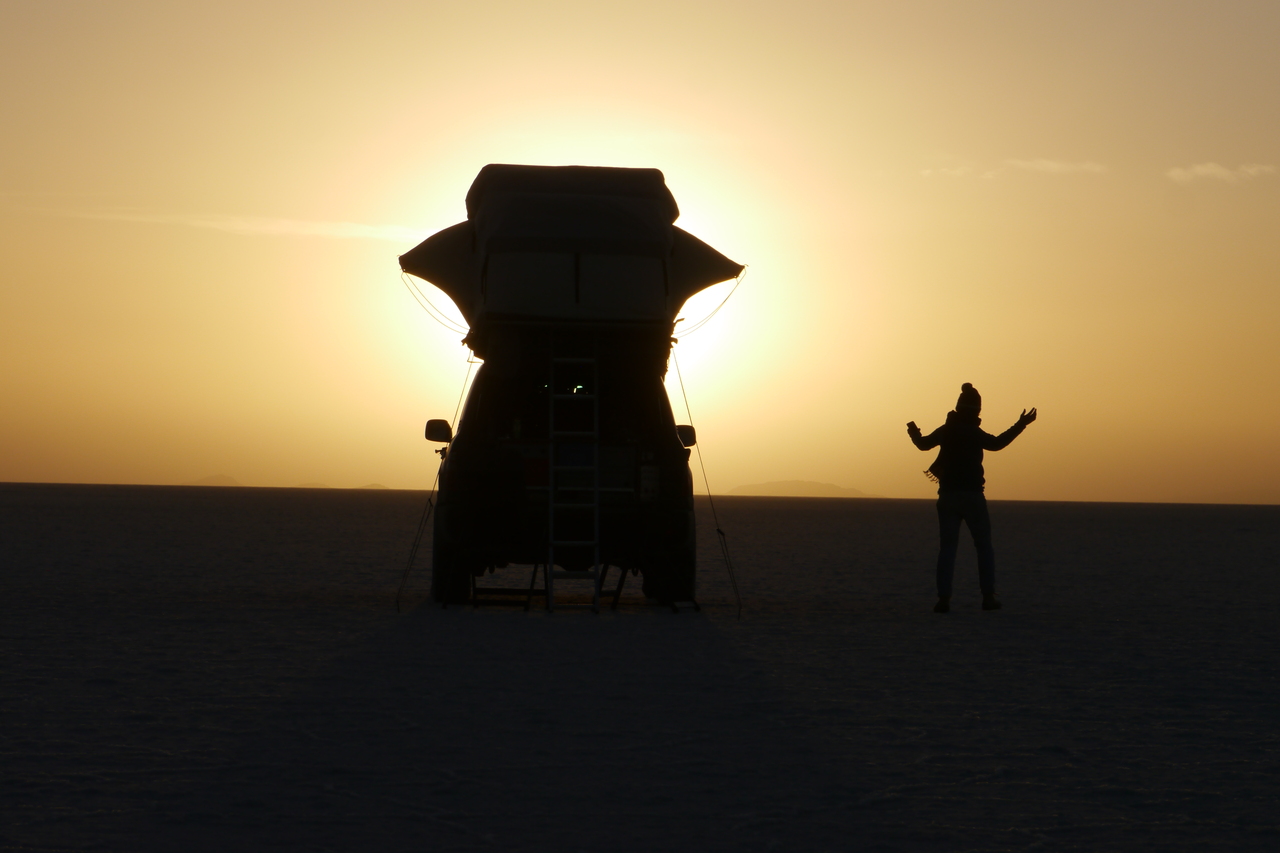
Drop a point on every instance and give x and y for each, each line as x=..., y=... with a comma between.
x=970, y=507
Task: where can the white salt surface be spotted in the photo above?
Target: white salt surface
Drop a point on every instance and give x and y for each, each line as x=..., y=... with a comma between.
x=224, y=669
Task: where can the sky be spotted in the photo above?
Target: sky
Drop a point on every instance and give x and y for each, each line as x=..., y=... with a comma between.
x=1072, y=205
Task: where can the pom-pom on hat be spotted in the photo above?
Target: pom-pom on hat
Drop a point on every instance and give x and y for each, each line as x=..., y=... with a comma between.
x=970, y=399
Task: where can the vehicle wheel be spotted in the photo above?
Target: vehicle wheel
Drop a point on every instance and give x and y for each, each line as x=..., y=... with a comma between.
x=671, y=577
x=450, y=583
x=683, y=565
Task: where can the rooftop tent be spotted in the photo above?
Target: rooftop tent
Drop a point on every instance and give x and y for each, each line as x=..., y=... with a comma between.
x=645, y=186
x=568, y=242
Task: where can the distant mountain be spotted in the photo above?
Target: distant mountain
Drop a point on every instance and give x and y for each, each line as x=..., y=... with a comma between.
x=799, y=489
x=374, y=486
x=215, y=480
x=312, y=486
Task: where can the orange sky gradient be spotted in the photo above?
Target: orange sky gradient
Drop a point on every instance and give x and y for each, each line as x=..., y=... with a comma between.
x=1074, y=206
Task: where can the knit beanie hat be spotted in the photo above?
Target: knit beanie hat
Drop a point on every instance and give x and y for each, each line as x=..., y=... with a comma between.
x=970, y=399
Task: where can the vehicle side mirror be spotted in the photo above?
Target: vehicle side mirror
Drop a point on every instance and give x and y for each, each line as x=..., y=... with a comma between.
x=688, y=436
x=438, y=429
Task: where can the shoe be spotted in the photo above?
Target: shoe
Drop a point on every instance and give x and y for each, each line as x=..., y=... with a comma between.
x=943, y=605
x=990, y=602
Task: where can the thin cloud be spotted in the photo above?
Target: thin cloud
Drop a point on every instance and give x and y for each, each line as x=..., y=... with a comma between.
x=265, y=226
x=1217, y=172
x=955, y=172
x=1044, y=166
x=1057, y=167
x=1254, y=170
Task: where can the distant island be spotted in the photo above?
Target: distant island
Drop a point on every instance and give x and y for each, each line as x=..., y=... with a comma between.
x=799, y=489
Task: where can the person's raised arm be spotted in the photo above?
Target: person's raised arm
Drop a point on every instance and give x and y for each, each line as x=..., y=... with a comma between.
x=924, y=442
x=1003, y=440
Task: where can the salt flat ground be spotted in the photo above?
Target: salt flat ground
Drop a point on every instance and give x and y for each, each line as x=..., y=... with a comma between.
x=224, y=669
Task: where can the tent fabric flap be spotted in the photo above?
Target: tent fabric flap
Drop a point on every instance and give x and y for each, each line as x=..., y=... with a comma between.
x=568, y=243
x=695, y=266
x=446, y=260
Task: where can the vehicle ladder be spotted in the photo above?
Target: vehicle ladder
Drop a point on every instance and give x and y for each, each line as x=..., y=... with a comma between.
x=573, y=456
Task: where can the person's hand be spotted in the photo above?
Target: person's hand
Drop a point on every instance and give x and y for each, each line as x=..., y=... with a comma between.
x=1027, y=417
x=912, y=428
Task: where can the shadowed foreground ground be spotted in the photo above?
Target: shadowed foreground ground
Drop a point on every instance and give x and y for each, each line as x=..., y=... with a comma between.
x=223, y=669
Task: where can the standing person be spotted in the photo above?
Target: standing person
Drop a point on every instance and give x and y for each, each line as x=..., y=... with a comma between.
x=959, y=475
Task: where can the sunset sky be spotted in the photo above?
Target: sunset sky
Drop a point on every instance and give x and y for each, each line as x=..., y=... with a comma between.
x=1072, y=205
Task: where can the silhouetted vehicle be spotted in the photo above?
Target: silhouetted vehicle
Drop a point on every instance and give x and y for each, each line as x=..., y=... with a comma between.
x=566, y=453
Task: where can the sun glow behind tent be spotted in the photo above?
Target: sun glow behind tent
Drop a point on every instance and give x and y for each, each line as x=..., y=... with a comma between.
x=568, y=243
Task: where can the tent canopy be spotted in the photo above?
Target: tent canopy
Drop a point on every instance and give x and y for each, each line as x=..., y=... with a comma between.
x=568, y=243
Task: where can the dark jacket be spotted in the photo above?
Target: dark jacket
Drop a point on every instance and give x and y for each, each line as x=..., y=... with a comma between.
x=959, y=464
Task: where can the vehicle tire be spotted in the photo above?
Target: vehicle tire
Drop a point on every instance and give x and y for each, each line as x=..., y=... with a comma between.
x=671, y=576
x=450, y=583
x=684, y=562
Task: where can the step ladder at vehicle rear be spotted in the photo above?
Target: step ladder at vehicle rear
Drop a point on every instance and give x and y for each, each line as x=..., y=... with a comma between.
x=573, y=455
